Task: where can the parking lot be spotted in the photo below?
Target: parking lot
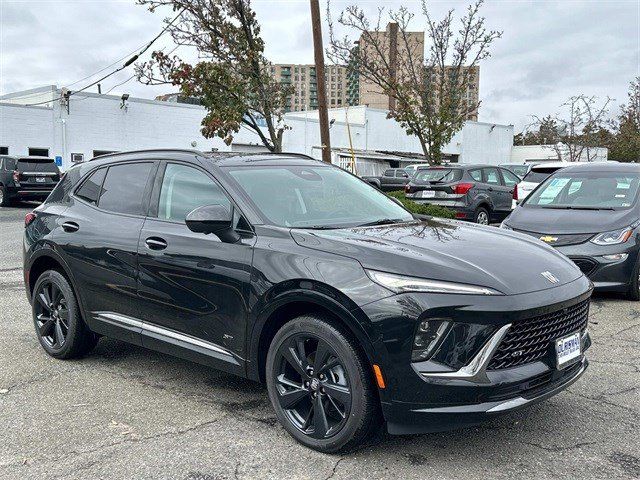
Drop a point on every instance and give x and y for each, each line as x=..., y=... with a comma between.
x=126, y=412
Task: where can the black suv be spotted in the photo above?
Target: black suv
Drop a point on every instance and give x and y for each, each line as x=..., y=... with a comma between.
x=480, y=193
x=26, y=178
x=286, y=270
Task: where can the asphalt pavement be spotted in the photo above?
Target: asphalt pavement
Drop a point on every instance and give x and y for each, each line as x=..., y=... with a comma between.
x=125, y=412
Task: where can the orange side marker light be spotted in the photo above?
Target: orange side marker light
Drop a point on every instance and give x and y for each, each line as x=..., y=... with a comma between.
x=379, y=377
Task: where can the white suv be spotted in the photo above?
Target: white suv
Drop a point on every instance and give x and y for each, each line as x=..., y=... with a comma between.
x=536, y=176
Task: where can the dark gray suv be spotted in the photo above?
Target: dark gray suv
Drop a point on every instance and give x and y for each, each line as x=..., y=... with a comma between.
x=480, y=193
x=26, y=178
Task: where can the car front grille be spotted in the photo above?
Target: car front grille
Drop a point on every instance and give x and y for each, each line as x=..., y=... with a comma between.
x=560, y=240
x=586, y=265
x=531, y=339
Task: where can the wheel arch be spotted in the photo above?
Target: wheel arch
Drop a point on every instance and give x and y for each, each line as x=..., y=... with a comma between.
x=294, y=304
x=47, y=259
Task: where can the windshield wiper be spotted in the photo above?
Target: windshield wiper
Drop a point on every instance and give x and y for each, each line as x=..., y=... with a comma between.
x=382, y=221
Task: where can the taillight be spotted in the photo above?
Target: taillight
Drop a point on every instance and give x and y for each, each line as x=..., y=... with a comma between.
x=462, y=188
x=515, y=192
x=28, y=218
x=407, y=189
x=16, y=176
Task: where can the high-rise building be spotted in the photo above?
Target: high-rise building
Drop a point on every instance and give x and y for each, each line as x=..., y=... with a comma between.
x=408, y=50
x=303, y=80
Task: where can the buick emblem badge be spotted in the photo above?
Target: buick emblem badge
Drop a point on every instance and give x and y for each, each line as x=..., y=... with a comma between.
x=550, y=276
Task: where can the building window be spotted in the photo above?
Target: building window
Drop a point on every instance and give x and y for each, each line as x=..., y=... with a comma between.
x=38, y=152
x=97, y=153
x=4, y=150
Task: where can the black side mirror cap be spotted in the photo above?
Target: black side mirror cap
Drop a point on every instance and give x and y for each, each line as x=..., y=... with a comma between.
x=216, y=219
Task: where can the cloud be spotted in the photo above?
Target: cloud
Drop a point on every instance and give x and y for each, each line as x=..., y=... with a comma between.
x=550, y=50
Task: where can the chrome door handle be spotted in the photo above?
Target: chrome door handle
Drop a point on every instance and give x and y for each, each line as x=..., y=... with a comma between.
x=155, y=243
x=70, y=227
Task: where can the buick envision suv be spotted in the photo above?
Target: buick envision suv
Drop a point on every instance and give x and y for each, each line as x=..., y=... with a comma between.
x=286, y=270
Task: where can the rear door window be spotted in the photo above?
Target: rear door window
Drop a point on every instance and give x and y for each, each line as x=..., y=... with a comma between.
x=402, y=174
x=509, y=178
x=123, y=189
x=491, y=176
x=90, y=189
x=388, y=173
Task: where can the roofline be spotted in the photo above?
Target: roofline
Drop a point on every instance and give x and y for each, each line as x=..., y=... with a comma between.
x=148, y=150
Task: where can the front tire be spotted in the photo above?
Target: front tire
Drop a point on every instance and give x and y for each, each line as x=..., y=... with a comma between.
x=320, y=385
x=56, y=316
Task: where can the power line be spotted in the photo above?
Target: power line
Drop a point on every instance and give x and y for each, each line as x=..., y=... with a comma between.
x=125, y=65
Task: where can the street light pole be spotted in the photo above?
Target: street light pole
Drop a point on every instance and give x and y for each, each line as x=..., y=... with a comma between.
x=322, y=92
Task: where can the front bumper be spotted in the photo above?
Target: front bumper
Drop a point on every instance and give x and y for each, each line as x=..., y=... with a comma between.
x=455, y=388
x=606, y=274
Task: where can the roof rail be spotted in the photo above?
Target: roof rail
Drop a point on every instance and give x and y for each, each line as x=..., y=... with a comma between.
x=148, y=150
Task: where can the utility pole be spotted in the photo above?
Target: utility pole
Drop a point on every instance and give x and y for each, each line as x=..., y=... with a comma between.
x=322, y=92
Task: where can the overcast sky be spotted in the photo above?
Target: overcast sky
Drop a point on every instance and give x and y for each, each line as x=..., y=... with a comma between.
x=549, y=51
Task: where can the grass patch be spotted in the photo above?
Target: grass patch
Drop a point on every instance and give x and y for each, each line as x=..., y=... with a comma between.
x=422, y=208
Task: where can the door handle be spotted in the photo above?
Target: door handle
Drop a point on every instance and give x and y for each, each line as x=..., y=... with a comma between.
x=70, y=227
x=155, y=243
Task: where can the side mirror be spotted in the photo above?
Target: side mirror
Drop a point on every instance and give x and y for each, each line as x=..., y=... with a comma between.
x=215, y=219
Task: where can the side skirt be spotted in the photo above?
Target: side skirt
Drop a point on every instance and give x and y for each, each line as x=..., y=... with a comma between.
x=168, y=341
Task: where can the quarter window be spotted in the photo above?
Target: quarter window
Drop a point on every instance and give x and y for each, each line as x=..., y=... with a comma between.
x=184, y=189
x=476, y=175
x=90, y=189
x=124, y=187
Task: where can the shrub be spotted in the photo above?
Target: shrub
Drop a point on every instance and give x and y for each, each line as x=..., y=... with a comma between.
x=422, y=208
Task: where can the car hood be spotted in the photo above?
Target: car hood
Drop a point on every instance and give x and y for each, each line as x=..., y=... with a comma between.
x=448, y=250
x=553, y=221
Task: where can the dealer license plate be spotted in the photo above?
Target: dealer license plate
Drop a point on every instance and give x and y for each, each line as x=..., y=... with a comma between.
x=428, y=194
x=40, y=179
x=567, y=349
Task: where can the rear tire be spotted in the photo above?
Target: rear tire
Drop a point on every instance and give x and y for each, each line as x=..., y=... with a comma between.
x=333, y=408
x=56, y=316
x=481, y=216
x=634, y=287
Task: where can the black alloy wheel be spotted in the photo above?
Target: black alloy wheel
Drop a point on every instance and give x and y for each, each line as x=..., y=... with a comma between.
x=51, y=315
x=321, y=386
x=56, y=316
x=312, y=385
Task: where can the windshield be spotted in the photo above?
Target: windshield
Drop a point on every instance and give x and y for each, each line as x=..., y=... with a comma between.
x=591, y=191
x=316, y=197
x=443, y=175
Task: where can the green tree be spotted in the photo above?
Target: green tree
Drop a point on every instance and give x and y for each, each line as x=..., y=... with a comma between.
x=233, y=81
x=430, y=95
x=625, y=146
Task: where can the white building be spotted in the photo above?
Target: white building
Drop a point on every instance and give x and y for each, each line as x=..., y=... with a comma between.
x=94, y=124
x=378, y=143
x=549, y=153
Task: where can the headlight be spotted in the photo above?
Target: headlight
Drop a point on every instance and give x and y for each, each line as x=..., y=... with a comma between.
x=505, y=226
x=613, y=238
x=401, y=283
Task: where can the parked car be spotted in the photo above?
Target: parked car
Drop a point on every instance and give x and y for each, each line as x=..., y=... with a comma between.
x=411, y=169
x=392, y=179
x=26, y=178
x=520, y=169
x=536, y=175
x=480, y=193
x=284, y=269
x=589, y=212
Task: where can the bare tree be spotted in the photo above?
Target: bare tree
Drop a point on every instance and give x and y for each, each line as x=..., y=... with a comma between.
x=428, y=92
x=232, y=79
x=575, y=133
